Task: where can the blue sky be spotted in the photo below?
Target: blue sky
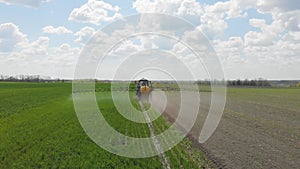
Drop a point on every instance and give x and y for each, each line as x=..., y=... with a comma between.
x=241, y=31
x=56, y=13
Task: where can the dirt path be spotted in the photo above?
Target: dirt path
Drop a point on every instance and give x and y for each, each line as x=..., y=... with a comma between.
x=163, y=158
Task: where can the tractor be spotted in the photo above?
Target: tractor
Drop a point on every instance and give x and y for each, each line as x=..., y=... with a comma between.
x=143, y=88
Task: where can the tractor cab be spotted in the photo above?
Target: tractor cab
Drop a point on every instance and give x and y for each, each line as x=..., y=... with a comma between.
x=144, y=82
x=143, y=88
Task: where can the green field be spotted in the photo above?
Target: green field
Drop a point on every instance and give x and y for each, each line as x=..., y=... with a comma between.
x=39, y=129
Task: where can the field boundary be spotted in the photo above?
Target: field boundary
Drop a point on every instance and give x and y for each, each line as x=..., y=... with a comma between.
x=216, y=162
x=163, y=158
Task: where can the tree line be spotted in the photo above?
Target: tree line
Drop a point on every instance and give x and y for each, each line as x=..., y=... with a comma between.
x=25, y=78
x=38, y=78
x=246, y=82
x=257, y=82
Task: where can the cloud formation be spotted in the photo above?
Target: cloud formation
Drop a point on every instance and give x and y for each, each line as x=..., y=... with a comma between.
x=175, y=7
x=58, y=30
x=95, y=12
x=270, y=36
x=84, y=34
x=27, y=3
x=11, y=37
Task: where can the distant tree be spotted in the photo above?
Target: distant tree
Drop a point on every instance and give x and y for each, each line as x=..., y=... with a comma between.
x=298, y=85
x=238, y=82
x=246, y=82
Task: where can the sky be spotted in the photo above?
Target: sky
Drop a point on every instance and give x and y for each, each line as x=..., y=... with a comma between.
x=252, y=38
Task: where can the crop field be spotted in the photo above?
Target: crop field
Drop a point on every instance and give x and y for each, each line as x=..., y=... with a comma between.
x=259, y=128
x=39, y=129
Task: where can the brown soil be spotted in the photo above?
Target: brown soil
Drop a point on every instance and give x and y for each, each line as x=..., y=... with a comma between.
x=253, y=133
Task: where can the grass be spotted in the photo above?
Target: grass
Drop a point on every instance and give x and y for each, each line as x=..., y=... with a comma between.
x=40, y=129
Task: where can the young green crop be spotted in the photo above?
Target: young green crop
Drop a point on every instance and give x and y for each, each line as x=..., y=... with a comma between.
x=40, y=129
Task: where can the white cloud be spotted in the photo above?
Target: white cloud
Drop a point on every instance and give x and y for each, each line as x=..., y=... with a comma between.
x=259, y=38
x=271, y=52
x=288, y=20
x=281, y=52
x=10, y=37
x=282, y=5
x=64, y=55
x=212, y=25
x=282, y=22
x=276, y=42
x=230, y=51
x=292, y=36
x=37, y=57
x=126, y=49
x=214, y=19
x=285, y=19
x=276, y=60
x=36, y=48
x=95, y=12
x=227, y=9
x=189, y=7
x=59, y=30
x=285, y=15
x=258, y=23
x=84, y=34
x=196, y=38
x=175, y=7
x=34, y=57
x=27, y=3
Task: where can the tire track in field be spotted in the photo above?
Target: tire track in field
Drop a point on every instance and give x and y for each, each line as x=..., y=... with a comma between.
x=163, y=158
